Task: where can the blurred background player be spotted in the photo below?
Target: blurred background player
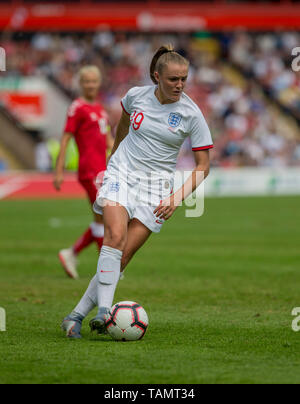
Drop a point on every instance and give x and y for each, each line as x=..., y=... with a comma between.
x=87, y=122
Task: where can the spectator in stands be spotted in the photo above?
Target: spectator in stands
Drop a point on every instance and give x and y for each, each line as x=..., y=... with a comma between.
x=244, y=128
x=42, y=157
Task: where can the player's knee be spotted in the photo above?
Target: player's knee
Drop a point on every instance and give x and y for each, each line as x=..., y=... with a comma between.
x=115, y=239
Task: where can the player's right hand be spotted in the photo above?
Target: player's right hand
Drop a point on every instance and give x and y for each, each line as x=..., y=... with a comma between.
x=57, y=182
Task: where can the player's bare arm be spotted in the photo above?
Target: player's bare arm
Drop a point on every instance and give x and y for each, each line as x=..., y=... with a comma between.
x=60, y=164
x=168, y=206
x=109, y=140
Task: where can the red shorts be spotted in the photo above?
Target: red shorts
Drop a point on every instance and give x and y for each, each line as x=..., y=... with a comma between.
x=90, y=188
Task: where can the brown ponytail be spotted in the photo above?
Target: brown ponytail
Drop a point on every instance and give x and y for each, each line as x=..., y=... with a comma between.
x=162, y=57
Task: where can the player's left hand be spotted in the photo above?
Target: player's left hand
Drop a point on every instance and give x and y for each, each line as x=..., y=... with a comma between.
x=58, y=180
x=166, y=208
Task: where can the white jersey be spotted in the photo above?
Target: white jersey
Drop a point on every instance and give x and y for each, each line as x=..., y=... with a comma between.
x=157, y=132
x=140, y=173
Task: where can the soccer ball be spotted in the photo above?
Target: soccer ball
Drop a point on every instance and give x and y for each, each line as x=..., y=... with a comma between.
x=127, y=321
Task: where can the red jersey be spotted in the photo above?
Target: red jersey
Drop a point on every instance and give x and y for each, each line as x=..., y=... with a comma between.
x=88, y=123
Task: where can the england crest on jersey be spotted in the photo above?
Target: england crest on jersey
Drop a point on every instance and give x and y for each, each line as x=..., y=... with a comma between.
x=174, y=119
x=114, y=187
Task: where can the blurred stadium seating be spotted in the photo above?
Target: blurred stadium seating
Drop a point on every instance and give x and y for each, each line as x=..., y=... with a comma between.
x=240, y=77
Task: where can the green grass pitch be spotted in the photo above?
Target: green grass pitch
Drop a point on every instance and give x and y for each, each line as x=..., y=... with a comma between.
x=219, y=292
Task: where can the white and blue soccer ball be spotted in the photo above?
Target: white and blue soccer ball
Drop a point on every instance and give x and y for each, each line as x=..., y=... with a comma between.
x=127, y=321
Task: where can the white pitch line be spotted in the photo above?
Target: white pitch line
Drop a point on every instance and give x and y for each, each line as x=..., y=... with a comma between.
x=11, y=186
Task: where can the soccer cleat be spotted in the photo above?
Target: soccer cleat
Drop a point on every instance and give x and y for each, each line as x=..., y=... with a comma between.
x=98, y=323
x=69, y=262
x=72, y=325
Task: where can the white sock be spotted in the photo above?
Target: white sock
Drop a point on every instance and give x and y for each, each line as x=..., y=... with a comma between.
x=89, y=299
x=97, y=229
x=109, y=266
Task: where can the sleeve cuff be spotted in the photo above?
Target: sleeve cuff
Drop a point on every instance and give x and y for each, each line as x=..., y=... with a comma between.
x=124, y=109
x=203, y=147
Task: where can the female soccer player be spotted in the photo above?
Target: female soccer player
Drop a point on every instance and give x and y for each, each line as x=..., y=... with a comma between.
x=87, y=122
x=155, y=122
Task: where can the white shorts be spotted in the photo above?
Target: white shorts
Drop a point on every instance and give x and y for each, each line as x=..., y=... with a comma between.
x=139, y=196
